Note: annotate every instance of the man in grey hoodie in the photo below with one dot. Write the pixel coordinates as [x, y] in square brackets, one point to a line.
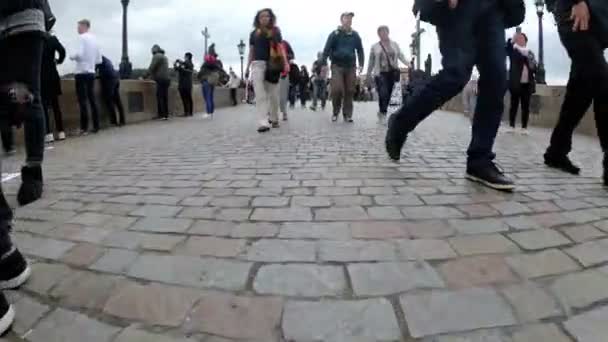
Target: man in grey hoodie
[159, 72]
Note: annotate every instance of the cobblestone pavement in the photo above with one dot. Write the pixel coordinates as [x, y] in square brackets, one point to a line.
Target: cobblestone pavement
[199, 230]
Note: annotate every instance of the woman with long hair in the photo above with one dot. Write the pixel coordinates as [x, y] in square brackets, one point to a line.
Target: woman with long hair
[267, 61]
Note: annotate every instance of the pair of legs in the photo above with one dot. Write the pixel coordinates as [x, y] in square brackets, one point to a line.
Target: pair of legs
[53, 103]
[233, 96]
[186, 95]
[343, 90]
[292, 95]
[283, 95]
[85, 91]
[523, 95]
[385, 83]
[208, 95]
[588, 83]
[471, 34]
[162, 98]
[319, 93]
[303, 94]
[111, 96]
[267, 95]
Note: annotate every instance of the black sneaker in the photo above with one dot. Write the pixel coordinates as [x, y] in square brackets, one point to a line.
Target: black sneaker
[32, 185]
[7, 314]
[263, 129]
[490, 176]
[14, 270]
[334, 118]
[349, 120]
[393, 145]
[562, 163]
[313, 108]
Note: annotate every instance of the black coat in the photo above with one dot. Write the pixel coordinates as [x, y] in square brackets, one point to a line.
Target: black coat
[49, 76]
[517, 66]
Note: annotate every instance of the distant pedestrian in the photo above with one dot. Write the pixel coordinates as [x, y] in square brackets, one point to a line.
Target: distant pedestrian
[469, 97]
[303, 85]
[384, 69]
[294, 83]
[522, 79]
[185, 69]
[209, 75]
[320, 72]
[267, 60]
[344, 47]
[110, 90]
[234, 83]
[87, 57]
[284, 82]
[52, 55]
[159, 72]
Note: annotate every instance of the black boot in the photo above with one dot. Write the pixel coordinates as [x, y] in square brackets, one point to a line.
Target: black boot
[31, 185]
[606, 169]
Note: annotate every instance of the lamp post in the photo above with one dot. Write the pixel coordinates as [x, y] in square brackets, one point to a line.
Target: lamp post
[241, 48]
[540, 73]
[206, 36]
[125, 68]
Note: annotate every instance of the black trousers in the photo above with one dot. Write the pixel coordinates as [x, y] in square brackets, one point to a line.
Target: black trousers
[588, 83]
[233, 96]
[521, 95]
[162, 97]
[112, 100]
[385, 83]
[186, 94]
[85, 91]
[53, 103]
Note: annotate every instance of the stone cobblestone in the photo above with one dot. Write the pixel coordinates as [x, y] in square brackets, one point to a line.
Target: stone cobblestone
[308, 234]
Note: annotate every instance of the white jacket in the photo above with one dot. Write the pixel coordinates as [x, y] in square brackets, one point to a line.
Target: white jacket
[377, 57]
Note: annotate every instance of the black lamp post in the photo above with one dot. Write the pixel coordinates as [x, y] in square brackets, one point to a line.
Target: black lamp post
[125, 68]
[540, 73]
[241, 48]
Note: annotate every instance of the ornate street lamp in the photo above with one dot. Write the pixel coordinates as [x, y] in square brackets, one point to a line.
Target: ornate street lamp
[241, 48]
[540, 74]
[125, 65]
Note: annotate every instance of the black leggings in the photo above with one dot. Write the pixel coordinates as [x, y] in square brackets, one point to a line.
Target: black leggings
[52, 102]
[186, 95]
[522, 95]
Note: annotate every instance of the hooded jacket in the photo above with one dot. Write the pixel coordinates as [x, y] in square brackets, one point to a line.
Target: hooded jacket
[159, 67]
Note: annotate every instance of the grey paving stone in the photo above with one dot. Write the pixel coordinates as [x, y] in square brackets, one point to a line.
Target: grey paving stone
[42, 247]
[336, 191]
[161, 242]
[483, 244]
[429, 229]
[377, 190]
[90, 219]
[492, 335]
[255, 230]
[547, 263]
[214, 228]
[352, 251]
[45, 276]
[590, 253]
[311, 201]
[204, 213]
[199, 201]
[281, 251]
[511, 208]
[162, 225]
[522, 223]
[132, 334]
[190, 271]
[67, 326]
[282, 215]
[349, 201]
[213, 246]
[317, 231]
[341, 214]
[540, 332]
[440, 312]
[430, 213]
[124, 239]
[300, 280]
[425, 249]
[591, 326]
[115, 261]
[27, 313]
[384, 213]
[270, 202]
[85, 290]
[579, 290]
[480, 226]
[539, 239]
[531, 303]
[231, 202]
[156, 211]
[366, 320]
[583, 233]
[383, 279]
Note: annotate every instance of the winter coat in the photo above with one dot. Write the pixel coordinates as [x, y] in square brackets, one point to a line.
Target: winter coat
[52, 55]
[210, 72]
[518, 61]
[343, 48]
[159, 67]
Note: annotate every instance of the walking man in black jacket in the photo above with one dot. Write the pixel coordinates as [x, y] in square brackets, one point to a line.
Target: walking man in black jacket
[588, 81]
[470, 33]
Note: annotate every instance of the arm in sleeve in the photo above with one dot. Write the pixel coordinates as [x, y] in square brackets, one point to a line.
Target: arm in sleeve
[152, 68]
[360, 52]
[80, 52]
[400, 55]
[60, 50]
[371, 62]
[329, 46]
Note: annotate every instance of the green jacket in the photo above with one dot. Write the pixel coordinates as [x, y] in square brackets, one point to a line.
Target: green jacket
[159, 67]
[343, 48]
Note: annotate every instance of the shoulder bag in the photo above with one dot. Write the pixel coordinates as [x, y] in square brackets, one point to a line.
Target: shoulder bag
[395, 72]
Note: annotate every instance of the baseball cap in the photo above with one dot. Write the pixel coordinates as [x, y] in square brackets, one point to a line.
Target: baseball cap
[345, 14]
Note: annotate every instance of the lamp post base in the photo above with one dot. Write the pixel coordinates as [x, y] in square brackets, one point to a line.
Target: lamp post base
[540, 75]
[125, 69]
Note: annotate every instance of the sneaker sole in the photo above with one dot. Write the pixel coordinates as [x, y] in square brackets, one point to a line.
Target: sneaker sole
[500, 187]
[17, 281]
[7, 320]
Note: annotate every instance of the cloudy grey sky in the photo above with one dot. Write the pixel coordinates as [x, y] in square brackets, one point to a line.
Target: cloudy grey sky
[176, 25]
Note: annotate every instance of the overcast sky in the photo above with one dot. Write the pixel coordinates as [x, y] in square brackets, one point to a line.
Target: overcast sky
[176, 26]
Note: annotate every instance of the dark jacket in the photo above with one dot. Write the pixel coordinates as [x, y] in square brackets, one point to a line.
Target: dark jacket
[159, 66]
[343, 48]
[185, 71]
[107, 74]
[294, 74]
[304, 77]
[210, 72]
[52, 55]
[517, 66]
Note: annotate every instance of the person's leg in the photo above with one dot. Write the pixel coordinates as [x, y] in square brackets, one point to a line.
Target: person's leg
[159, 104]
[166, 85]
[337, 88]
[284, 95]
[350, 79]
[391, 88]
[107, 93]
[8, 141]
[47, 119]
[118, 103]
[315, 94]
[525, 105]
[292, 96]
[323, 93]
[81, 94]
[380, 89]
[258, 70]
[58, 115]
[190, 101]
[182, 96]
[90, 86]
[515, 96]
[212, 98]
[205, 86]
[273, 102]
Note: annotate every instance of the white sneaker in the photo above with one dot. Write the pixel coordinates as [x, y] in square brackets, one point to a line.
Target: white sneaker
[524, 131]
[206, 116]
[61, 136]
[49, 138]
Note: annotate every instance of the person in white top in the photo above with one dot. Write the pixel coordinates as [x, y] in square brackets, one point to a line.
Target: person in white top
[87, 57]
[234, 83]
[384, 68]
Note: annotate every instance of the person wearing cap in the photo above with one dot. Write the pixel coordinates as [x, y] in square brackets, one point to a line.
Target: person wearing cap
[86, 58]
[343, 48]
[470, 33]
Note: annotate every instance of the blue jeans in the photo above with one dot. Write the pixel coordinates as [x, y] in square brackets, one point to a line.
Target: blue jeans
[472, 34]
[208, 91]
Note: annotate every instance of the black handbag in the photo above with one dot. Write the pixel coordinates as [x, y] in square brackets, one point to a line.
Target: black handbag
[515, 12]
[395, 72]
[599, 20]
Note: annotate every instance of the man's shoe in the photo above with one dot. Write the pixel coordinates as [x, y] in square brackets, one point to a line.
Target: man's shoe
[14, 270]
[32, 185]
[263, 129]
[7, 314]
[61, 136]
[334, 118]
[562, 163]
[490, 176]
[349, 120]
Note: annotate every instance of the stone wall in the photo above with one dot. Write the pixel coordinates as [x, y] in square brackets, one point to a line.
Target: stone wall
[545, 107]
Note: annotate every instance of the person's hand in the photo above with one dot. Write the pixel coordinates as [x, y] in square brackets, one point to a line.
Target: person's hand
[286, 69]
[453, 3]
[581, 16]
